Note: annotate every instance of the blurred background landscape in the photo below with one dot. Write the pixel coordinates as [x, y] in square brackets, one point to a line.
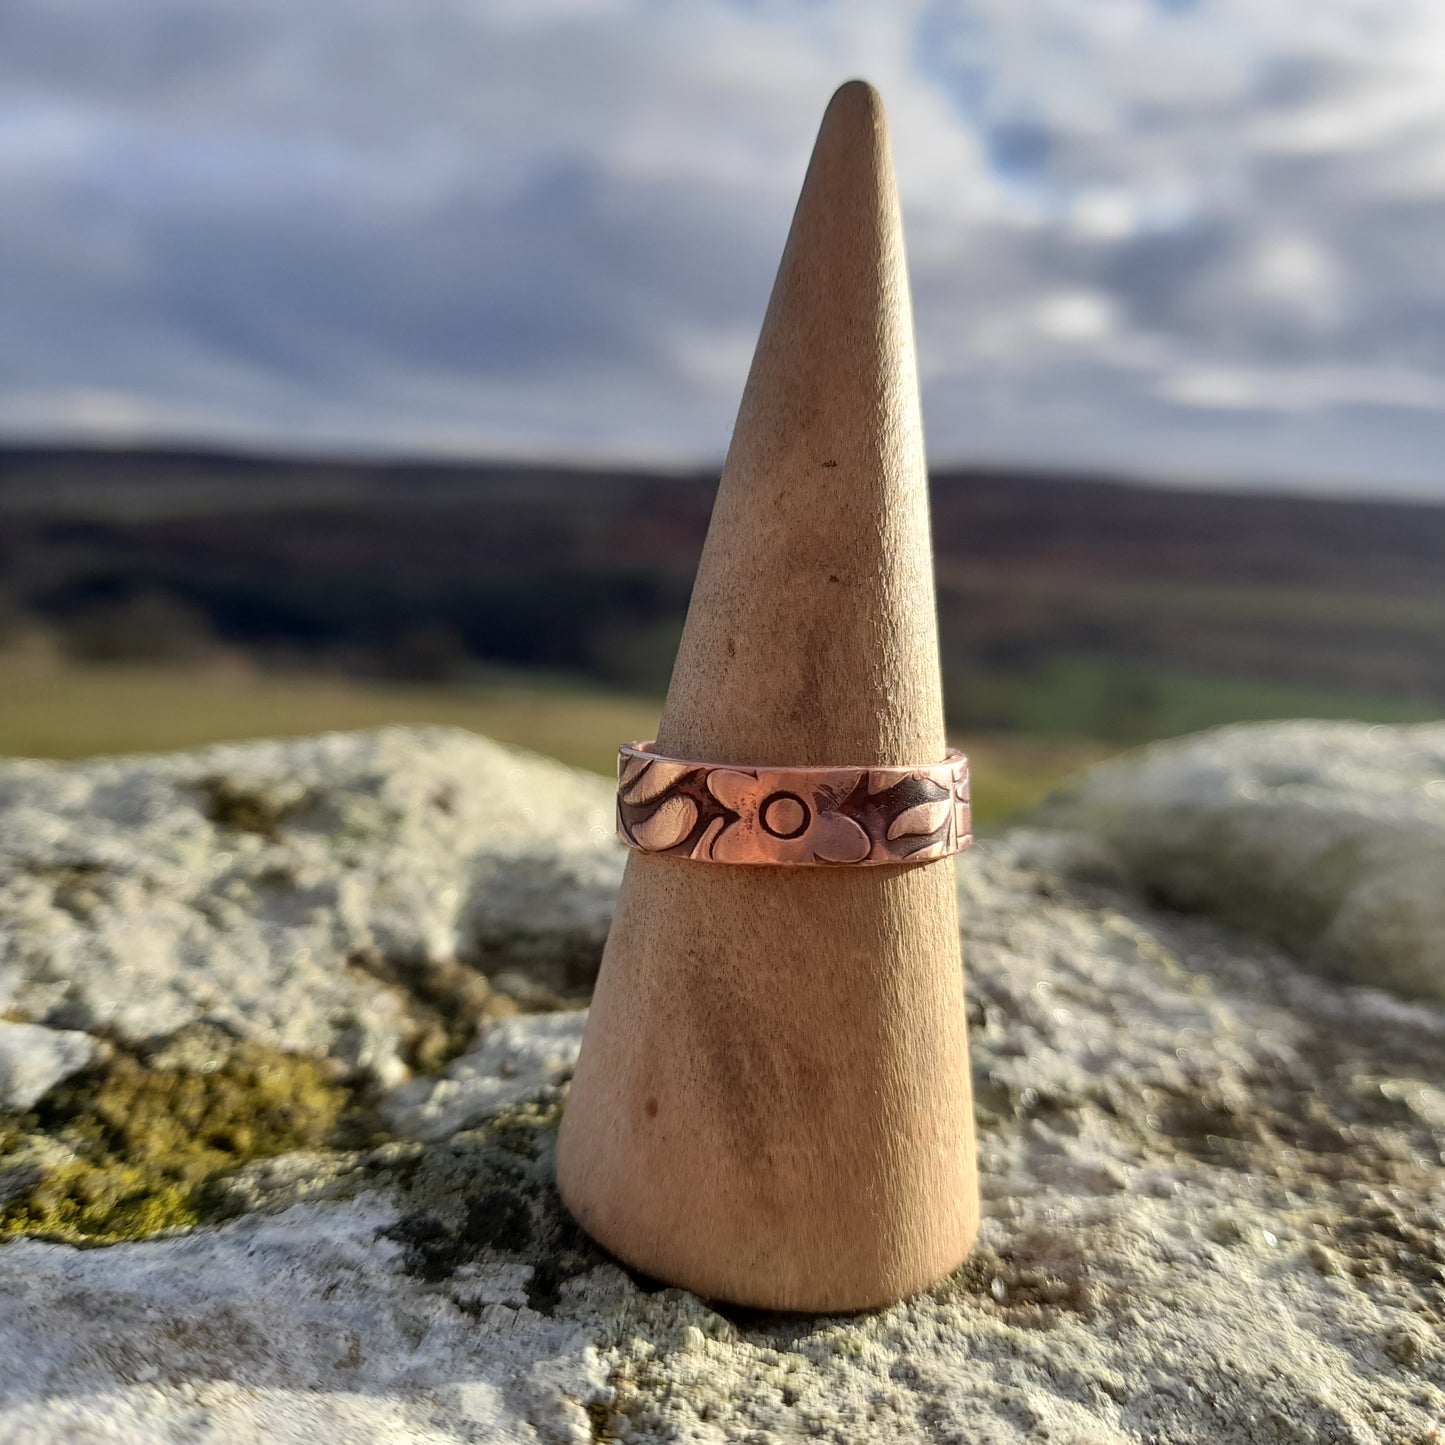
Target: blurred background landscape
[162, 599]
[375, 364]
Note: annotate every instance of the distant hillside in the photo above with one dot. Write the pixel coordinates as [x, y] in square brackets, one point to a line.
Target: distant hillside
[1066, 604]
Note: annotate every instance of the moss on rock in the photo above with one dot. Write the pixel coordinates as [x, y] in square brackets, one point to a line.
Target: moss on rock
[491, 1193]
[149, 1135]
[93, 1203]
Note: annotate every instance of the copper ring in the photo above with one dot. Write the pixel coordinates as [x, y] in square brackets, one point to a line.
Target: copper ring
[835, 816]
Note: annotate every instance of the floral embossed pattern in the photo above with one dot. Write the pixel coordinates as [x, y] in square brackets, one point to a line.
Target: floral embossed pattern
[790, 816]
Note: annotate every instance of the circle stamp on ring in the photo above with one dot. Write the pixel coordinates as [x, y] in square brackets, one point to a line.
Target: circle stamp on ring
[792, 816]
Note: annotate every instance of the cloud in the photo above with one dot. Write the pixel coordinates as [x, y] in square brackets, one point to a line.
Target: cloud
[1185, 239]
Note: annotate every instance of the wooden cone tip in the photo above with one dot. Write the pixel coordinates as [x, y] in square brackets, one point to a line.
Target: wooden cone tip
[858, 101]
[854, 129]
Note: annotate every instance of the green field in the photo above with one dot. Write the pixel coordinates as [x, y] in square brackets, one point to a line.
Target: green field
[1125, 703]
[74, 711]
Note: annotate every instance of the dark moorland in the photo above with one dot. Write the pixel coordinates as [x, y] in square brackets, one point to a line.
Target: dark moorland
[1072, 605]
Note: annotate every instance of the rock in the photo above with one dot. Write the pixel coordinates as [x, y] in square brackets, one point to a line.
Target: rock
[303, 893]
[1326, 837]
[1212, 1187]
[520, 1058]
[296, 1326]
[34, 1059]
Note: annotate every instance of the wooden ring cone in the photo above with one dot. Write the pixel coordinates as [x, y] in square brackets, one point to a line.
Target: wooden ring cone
[772, 1104]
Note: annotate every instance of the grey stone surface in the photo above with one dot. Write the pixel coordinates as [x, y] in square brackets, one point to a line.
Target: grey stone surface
[1213, 1187]
[290, 891]
[517, 1059]
[1327, 837]
[34, 1059]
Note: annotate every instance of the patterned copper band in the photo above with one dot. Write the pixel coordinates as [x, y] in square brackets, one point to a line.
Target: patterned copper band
[791, 816]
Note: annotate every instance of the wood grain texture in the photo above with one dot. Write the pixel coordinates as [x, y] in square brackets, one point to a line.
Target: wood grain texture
[772, 1105]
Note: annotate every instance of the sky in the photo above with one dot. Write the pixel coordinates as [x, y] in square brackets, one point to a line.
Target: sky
[1190, 240]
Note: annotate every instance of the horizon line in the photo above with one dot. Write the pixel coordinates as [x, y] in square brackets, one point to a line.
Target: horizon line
[441, 455]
